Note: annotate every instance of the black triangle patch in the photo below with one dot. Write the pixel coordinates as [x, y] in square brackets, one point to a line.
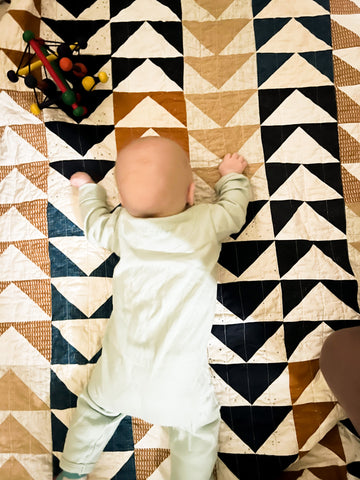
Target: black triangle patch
[116, 6]
[337, 251]
[120, 32]
[268, 63]
[329, 174]
[294, 291]
[266, 28]
[174, 5]
[123, 67]
[97, 169]
[295, 332]
[71, 31]
[332, 210]
[269, 100]
[63, 352]
[282, 211]
[254, 425]
[278, 173]
[122, 440]
[256, 467]
[59, 431]
[61, 265]
[80, 137]
[242, 298]
[173, 68]
[344, 290]
[76, 8]
[323, 96]
[171, 31]
[61, 397]
[238, 256]
[250, 380]
[289, 253]
[105, 310]
[340, 324]
[319, 26]
[62, 309]
[106, 269]
[322, 61]
[258, 5]
[245, 339]
[252, 210]
[59, 225]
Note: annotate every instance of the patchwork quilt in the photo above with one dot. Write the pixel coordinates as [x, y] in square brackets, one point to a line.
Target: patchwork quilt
[277, 80]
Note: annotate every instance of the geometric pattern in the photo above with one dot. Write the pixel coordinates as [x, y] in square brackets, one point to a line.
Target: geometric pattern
[276, 80]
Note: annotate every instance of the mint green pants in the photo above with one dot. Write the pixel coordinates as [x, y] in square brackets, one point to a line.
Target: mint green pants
[192, 454]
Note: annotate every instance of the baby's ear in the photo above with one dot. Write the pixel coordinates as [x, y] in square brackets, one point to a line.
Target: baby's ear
[191, 194]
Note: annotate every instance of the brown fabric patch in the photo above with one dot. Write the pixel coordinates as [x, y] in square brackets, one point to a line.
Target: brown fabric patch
[343, 7]
[35, 135]
[173, 102]
[14, 438]
[215, 8]
[351, 187]
[348, 110]
[13, 470]
[36, 250]
[309, 417]
[301, 374]
[140, 428]
[36, 333]
[221, 106]
[25, 100]
[332, 441]
[34, 212]
[349, 147]
[16, 395]
[222, 140]
[148, 460]
[344, 73]
[26, 20]
[223, 30]
[342, 37]
[126, 135]
[218, 68]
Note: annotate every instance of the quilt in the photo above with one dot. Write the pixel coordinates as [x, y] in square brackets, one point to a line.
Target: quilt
[276, 80]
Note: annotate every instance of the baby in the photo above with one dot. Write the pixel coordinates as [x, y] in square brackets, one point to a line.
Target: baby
[154, 358]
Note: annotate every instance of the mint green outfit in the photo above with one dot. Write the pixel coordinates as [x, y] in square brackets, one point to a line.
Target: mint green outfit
[154, 359]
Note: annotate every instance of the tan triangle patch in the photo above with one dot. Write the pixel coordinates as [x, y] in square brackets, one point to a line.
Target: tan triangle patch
[215, 36]
[16, 395]
[342, 37]
[218, 68]
[344, 73]
[26, 20]
[14, 438]
[348, 110]
[13, 470]
[38, 334]
[349, 147]
[309, 417]
[351, 187]
[343, 7]
[147, 460]
[210, 175]
[222, 140]
[221, 106]
[215, 8]
[333, 472]
[301, 374]
[140, 428]
[332, 441]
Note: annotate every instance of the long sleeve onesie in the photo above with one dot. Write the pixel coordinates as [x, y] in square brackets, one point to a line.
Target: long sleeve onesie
[154, 358]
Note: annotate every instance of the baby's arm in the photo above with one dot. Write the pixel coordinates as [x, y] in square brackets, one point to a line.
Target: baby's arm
[233, 189]
[99, 223]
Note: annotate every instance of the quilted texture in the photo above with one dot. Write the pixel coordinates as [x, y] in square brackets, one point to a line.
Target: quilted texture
[276, 80]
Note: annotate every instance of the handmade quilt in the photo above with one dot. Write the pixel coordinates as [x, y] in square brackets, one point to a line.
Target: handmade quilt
[277, 80]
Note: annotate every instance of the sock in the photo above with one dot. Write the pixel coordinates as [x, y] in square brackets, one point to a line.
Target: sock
[70, 476]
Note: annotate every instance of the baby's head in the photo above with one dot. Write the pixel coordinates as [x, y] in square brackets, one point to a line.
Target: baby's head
[154, 178]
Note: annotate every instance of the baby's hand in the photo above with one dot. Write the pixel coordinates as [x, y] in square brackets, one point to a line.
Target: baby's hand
[80, 178]
[232, 163]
